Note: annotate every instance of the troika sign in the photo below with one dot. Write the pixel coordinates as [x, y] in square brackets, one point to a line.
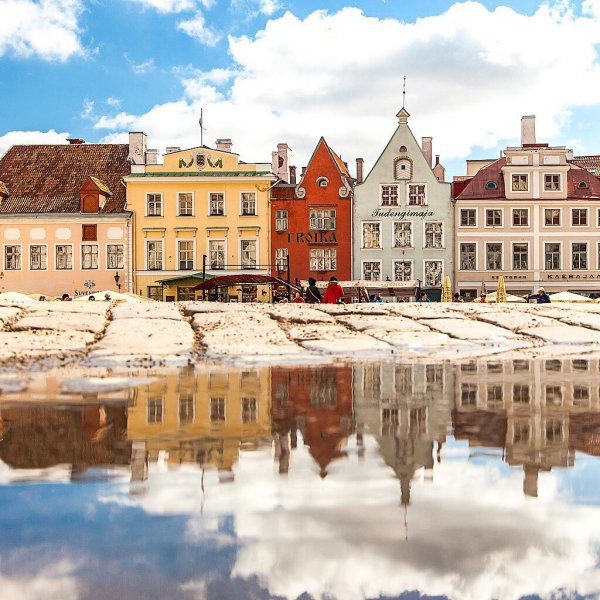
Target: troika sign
[316, 237]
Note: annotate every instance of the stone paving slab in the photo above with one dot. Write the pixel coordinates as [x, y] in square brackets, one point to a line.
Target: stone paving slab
[516, 321]
[472, 330]
[367, 323]
[61, 321]
[146, 310]
[561, 334]
[17, 347]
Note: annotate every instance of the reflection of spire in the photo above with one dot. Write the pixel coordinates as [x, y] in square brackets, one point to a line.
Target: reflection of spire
[530, 481]
[439, 452]
[406, 522]
[405, 489]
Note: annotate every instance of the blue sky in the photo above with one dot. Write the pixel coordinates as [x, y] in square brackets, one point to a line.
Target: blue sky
[98, 68]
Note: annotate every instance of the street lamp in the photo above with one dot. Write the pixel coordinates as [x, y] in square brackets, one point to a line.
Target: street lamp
[117, 281]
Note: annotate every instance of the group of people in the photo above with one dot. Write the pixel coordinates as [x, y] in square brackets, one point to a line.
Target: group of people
[334, 294]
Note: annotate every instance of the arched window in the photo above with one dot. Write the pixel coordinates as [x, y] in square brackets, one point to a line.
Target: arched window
[491, 185]
[583, 185]
[402, 168]
[322, 182]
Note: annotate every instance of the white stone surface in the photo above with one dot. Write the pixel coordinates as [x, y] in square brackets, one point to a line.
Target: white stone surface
[471, 330]
[146, 310]
[114, 233]
[37, 233]
[63, 233]
[12, 233]
[61, 321]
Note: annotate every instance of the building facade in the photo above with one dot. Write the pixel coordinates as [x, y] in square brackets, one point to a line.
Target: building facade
[200, 202]
[64, 226]
[311, 221]
[402, 218]
[532, 216]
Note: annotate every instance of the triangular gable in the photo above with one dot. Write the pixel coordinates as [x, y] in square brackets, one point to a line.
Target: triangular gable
[335, 159]
[93, 184]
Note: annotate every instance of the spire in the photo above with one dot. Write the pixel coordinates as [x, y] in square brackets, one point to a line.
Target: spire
[403, 115]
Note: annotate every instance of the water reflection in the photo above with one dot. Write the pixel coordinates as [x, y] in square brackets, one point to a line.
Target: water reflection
[344, 481]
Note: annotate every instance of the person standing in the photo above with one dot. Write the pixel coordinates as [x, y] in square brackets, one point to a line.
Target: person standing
[334, 293]
[541, 297]
[313, 295]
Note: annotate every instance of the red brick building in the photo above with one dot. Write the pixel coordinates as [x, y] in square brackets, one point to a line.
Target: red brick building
[311, 221]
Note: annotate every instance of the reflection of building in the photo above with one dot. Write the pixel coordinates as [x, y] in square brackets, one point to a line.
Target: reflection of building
[539, 411]
[318, 402]
[407, 408]
[200, 417]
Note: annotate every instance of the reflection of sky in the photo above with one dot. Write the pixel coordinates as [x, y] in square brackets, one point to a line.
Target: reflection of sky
[471, 532]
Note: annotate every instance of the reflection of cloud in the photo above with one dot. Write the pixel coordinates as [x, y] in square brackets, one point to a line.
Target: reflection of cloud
[54, 474]
[56, 581]
[471, 533]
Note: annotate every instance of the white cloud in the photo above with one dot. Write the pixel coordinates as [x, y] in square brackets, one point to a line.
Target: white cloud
[252, 7]
[119, 121]
[268, 7]
[47, 29]
[197, 28]
[114, 102]
[88, 109]
[471, 73]
[167, 6]
[144, 67]
[31, 137]
[52, 581]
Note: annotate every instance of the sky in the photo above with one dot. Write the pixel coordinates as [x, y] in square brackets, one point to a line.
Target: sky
[270, 71]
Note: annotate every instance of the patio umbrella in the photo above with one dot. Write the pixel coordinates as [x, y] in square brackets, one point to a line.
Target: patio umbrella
[509, 298]
[569, 297]
[501, 291]
[447, 290]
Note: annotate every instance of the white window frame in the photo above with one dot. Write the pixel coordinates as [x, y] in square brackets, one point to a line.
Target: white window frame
[162, 260]
[512, 255]
[403, 260]
[327, 262]
[209, 265]
[560, 216]
[316, 219]
[284, 256]
[525, 208]
[193, 213]
[443, 246]
[560, 182]
[20, 258]
[56, 258]
[81, 255]
[527, 175]
[255, 214]
[29, 258]
[193, 394]
[412, 235]
[561, 256]
[209, 213]
[362, 235]
[256, 402]
[426, 192]
[460, 242]
[177, 242]
[587, 246]
[428, 260]
[282, 220]
[460, 217]
[249, 239]
[162, 204]
[224, 420]
[485, 213]
[502, 256]
[572, 212]
[107, 262]
[381, 186]
[362, 268]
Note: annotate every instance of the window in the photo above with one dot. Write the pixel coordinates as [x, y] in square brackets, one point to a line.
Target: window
[468, 257]
[281, 259]
[155, 409]
[64, 258]
[281, 220]
[495, 397]
[322, 219]
[402, 234]
[495, 367]
[371, 235]
[468, 217]
[491, 185]
[402, 169]
[38, 258]
[552, 256]
[389, 195]
[154, 205]
[433, 235]
[493, 254]
[583, 185]
[322, 182]
[89, 233]
[114, 256]
[520, 217]
[520, 257]
[433, 273]
[493, 217]
[521, 393]
[554, 430]
[580, 364]
[217, 410]
[553, 395]
[520, 366]
[579, 255]
[581, 395]
[155, 292]
[552, 217]
[216, 254]
[579, 216]
[323, 259]
[12, 258]
[468, 394]
[185, 251]
[520, 183]
[551, 183]
[216, 205]
[403, 270]
[154, 252]
[249, 410]
[186, 407]
[248, 251]
[416, 195]
[185, 204]
[248, 203]
[185, 294]
[389, 421]
[521, 432]
[372, 271]
[89, 256]
[553, 366]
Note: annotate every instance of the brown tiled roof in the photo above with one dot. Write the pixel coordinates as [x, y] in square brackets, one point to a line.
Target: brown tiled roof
[47, 178]
[588, 162]
[283, 191]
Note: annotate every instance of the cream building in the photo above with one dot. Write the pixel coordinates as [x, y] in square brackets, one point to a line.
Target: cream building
[532, 216]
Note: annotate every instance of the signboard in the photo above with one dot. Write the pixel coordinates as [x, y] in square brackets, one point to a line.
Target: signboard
[313, 237]
[402, 214]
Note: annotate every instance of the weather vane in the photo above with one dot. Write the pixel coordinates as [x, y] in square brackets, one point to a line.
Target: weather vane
[404, 92]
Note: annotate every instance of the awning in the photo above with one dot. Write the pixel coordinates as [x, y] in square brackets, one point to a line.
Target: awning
[191, 276]
[243, 279]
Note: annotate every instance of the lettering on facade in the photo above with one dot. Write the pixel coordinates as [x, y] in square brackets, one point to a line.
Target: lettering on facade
[202, 160]
[316, 237]
[423, 214]
[511, 276]
[574, 276]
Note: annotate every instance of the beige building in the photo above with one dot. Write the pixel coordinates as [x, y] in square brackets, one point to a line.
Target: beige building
[532, 216]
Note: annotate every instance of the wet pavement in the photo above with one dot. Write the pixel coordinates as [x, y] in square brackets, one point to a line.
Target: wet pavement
[473, 480]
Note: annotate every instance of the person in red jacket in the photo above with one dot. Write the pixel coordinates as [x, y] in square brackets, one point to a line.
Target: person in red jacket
[334, 292]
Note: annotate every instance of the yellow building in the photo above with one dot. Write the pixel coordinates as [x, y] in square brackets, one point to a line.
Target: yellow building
[201, 202]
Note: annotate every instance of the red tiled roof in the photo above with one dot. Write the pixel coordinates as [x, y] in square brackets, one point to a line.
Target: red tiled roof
[283, 191]
[3, 188]
[588, 162]
[47, 178]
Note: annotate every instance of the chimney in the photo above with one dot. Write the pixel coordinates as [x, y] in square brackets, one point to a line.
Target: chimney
[303, 171]
[427, 147]
[137, 147]
[151, 157]
[224, 144]
[293, 175]
[75, 141]
[438, 170]
[360, 163]
[527, 130]
[345, 164]
[171, 149]
[280, 160]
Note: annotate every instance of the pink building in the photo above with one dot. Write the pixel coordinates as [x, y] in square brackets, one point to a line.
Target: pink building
[64, 226]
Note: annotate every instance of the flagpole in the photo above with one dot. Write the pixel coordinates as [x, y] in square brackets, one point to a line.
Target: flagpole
[201, 130]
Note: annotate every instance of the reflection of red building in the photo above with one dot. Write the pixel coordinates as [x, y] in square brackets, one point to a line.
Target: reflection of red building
[311, 221]
[318, 402]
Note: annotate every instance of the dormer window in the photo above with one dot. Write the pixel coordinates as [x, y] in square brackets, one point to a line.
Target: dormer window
[491, 185]
[583, 185]
[322, 182]
[90, 203]
[93, 195]
[403, 169]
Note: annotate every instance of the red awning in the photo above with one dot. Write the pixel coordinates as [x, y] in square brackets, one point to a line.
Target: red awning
[229, 280]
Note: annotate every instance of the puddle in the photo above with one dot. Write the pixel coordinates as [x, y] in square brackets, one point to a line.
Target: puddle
[469, 481]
